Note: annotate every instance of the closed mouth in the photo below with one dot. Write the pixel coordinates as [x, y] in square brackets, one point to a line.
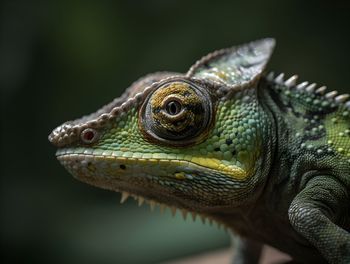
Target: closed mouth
[187, 166]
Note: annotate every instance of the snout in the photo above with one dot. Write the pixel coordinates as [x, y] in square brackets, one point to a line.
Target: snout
[64, 135]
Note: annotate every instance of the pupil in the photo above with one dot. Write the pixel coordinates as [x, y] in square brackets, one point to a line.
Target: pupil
[173, 108]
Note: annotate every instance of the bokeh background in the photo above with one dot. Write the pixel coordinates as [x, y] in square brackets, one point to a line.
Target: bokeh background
[62, 59]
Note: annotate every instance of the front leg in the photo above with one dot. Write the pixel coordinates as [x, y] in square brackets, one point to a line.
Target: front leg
[245, 251]
[316, 213]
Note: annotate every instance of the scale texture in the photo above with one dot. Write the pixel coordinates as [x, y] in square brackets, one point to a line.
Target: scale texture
[265, 156]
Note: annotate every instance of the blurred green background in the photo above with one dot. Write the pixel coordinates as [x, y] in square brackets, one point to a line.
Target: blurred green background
[60, 60]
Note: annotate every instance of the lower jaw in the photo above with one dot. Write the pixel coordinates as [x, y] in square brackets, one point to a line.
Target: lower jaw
[154, 204]
[82, 166]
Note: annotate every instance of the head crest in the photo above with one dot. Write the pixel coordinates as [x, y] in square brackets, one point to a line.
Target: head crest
[235, 67]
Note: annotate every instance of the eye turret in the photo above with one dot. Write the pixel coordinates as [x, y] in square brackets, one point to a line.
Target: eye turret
[176, 113]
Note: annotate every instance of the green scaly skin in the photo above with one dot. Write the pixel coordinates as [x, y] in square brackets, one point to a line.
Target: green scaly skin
[266, 157]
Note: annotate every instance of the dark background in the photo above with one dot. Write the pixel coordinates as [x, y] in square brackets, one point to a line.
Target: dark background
[60, 60]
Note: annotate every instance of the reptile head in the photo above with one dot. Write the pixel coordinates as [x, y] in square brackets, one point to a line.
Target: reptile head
[192, 141]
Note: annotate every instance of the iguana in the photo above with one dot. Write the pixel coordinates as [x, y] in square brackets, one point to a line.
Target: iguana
[267, 157]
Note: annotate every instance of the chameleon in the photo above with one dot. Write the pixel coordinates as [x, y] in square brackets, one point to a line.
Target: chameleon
[266, 156]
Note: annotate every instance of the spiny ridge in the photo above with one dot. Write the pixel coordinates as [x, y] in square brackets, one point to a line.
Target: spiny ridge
[291, 81]
[153, 204]
[310, 88]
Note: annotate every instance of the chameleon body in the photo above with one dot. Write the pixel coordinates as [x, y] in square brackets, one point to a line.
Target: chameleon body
[266, 157]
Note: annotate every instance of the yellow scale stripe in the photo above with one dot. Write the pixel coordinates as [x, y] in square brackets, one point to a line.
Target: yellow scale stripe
[210, 163]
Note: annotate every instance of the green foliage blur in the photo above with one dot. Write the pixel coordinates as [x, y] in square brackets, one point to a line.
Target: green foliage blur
[62, 59]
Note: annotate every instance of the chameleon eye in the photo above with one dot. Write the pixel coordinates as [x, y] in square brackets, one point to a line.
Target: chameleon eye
[176, 113]
[89, 136]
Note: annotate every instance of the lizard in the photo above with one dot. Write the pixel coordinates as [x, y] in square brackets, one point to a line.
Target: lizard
[264, 155]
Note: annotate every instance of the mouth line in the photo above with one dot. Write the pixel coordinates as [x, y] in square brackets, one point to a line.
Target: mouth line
[189, 166]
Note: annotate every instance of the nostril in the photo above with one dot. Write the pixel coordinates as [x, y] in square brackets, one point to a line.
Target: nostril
[89, 135]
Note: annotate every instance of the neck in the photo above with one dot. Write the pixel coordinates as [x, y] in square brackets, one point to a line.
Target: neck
[250, 199]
